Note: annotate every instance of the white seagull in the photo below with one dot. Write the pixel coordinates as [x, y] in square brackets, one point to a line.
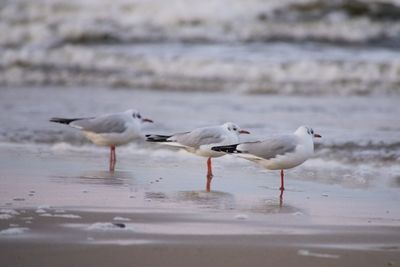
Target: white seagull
[109, 130]
[201, 140]
[278, 152]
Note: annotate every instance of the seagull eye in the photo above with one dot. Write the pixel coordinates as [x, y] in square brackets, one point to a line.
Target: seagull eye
[139, 116]
[312, 132]
[234, 128]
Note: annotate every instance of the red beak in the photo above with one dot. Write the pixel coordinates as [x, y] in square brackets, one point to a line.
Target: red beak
[244, 132]
[147, 120]
[317, 136]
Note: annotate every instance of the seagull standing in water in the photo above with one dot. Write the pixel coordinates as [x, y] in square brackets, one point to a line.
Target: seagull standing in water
[109, 130]
[278, 152]
[201, 140]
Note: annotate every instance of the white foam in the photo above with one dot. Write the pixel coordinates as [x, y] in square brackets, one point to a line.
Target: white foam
[5, 216]
[9, 211]
[103, 226]
[69, 216]
[45, 207]
[14, 231]
[307, 253]
[121, 219]
[241, 217]
[40, 211]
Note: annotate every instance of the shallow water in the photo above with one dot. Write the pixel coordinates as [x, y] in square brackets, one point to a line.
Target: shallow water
[359, 148]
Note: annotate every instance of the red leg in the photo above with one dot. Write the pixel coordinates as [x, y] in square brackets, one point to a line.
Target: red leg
[282, 182]
[209, 167]
[281, 198]
[208, 185]
[112, 158]
[209, 175]
[115, 157]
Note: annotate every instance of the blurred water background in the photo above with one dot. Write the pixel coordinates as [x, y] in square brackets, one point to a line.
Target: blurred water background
[269, 65]
[338, 47]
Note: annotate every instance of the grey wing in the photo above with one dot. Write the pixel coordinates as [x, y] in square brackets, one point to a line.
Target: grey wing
[199, 137]
[113, 123]
[270, 148]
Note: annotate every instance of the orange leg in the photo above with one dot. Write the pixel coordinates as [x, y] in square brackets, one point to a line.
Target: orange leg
[282, 182]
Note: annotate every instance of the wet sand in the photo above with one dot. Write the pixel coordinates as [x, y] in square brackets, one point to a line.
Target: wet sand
[59, 206]
[54, 244]
[64, 209]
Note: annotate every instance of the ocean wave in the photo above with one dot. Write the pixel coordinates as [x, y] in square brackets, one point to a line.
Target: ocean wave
[76, 65]
[49, 23]
[352, 152]
[334, 47]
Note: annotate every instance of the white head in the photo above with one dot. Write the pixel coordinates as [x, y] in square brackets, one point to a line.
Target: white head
[137, 117]
[234, 128]
[304, 131]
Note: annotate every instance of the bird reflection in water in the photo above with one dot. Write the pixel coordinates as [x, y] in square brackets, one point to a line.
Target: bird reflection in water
[107, 178]
[214, 199]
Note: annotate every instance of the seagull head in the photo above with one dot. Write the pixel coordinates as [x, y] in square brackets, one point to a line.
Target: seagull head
[234, 128]
[307, 131]
[136, 116]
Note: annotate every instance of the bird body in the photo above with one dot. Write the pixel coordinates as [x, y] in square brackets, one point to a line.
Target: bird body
[277, 152]
[109, 130]
[200, 141]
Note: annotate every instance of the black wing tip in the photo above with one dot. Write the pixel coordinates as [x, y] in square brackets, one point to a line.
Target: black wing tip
[157, 138]
[226, 149]
[62, 120]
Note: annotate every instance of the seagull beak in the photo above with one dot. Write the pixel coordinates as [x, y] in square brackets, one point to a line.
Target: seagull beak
[147, 120]
[244, 132]
[317, 136]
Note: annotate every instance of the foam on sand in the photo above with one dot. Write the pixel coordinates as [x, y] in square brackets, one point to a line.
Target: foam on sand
[307, 253]
[68, 216]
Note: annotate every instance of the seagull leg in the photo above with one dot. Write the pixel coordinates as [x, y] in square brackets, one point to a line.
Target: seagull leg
[281, 198]
[112, 158]
[209, 175]
[209, 167]
[282, 182]
[208, 186]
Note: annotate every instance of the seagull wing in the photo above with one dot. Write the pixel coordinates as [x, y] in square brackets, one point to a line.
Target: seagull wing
[199, 137]
[270, 148]
[113, 123]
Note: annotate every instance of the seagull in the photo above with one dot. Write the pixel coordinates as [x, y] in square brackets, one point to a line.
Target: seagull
[278, 152]
[109, 130]
[201, 140]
